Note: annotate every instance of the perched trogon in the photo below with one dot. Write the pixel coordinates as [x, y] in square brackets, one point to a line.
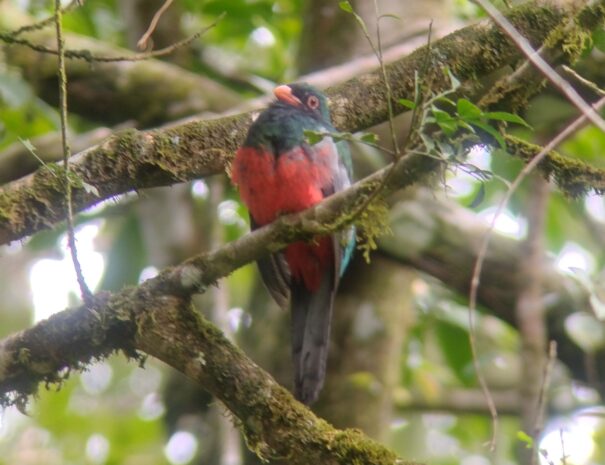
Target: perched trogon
[278, 171]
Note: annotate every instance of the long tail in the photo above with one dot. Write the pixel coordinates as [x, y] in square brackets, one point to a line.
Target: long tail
[311, 314]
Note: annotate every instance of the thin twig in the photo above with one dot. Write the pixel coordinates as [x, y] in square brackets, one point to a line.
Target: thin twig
[87, 55]
[524, 75]
[491, 405]
[45, 22]
[541, 410]
[71, 237]
[142, 43]
[591, 85]
[396, 151]
[525, 47]
[487, 237]
[387, 84]
[563, 453]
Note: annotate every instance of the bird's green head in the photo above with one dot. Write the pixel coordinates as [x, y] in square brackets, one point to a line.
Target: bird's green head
[304, 97]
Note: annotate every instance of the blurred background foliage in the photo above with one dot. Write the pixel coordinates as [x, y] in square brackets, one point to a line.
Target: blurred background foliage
[401, 366]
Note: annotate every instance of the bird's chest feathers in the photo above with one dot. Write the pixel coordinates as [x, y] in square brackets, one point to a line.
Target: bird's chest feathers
[292, 181]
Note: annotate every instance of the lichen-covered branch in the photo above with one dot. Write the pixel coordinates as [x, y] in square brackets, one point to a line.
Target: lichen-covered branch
[572, 176]
[16, 160]
[135, 159]
[167, 327]
[201, 271]
[157, 318]
[129, 160]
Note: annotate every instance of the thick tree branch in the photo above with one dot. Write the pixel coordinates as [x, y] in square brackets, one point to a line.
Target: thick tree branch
[149, 318]
[571, 175]
[157, 318]
[16, 160]
[167, 327]
[197, 273]
[134, 159]
[42, 352]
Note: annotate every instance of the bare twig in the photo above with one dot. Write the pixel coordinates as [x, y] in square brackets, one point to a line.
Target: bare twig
[90, 57]
[541, 410]
[486, 238]
[387, 83]
[142, 43]
[460, 401]
[591, 85]
[523, 45]
[491, 405]
[395, 152]
[71, 238]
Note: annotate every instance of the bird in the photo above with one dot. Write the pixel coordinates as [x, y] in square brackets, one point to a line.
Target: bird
[278, 171]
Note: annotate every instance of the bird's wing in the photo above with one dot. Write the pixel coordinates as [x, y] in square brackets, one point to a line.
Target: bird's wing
[275, 274]
[337, 158]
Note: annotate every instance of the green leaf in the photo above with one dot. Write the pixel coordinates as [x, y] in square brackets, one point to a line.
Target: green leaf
[448, 127]
[506, 116]
[407, 103]
[346, 6]
[526, 438]
[598, 38]
[458, 356]
[441, 116]
[492, 132]
[369, 137]
[453, 79]
[446, 122]
[446, 100]
[313, 137]
[467, 110]
[466, 126]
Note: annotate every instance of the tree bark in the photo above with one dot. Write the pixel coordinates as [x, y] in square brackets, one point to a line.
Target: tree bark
[133, 159]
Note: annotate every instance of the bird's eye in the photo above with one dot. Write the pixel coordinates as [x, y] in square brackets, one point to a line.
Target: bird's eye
[313, 102]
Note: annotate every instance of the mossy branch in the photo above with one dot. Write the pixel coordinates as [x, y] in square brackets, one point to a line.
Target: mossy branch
[157, 318]
[136, 159]
[574, 177]
[191, 277]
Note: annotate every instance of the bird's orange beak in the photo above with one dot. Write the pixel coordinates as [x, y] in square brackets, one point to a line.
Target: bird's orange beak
[284, 94]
